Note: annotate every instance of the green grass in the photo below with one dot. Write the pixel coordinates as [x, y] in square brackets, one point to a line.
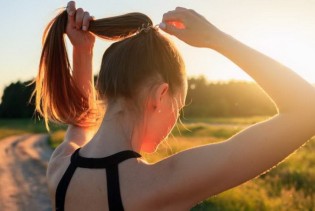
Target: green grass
[227, 120]
[56, 138]
[288, 187]
[10, 127]
[205, 130]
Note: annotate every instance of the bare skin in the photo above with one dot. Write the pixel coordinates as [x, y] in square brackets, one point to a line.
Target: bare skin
[182, 180]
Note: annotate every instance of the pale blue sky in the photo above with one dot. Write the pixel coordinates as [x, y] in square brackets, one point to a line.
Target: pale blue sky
[283, 29]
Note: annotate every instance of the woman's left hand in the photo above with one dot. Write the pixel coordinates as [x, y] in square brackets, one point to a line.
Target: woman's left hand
[77, 27]
[192, 28]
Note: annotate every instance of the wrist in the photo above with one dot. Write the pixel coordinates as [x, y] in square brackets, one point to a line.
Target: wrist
[83, 50]
[217, 40]
[82, 61]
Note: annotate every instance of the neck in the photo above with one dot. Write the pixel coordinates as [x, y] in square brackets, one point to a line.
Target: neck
[116, 133]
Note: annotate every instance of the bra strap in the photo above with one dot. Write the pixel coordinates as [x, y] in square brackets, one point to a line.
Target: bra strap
[112, 177]
[63, 186]
[113, 189]
[111, 167]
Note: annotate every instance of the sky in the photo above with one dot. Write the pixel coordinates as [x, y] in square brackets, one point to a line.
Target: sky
[282, 29]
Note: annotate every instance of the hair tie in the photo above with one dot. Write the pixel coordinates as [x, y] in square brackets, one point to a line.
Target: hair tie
[147, 27]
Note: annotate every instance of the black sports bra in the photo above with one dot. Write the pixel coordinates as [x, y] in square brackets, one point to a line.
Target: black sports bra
[110, 164]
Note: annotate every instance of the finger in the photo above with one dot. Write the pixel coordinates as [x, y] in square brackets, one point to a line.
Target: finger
[170, 29]
[180, 8]
[79, 18]
[86, 21]
[71, 11]
[174, 16]
[194, 12]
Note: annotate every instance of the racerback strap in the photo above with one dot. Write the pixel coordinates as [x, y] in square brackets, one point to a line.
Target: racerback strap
[110, 164]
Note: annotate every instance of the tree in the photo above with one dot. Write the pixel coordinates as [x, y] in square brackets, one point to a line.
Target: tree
[15, 101]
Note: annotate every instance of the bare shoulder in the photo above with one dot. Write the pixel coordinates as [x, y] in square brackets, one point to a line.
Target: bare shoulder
[56, 167]
[60, 158]
[190, 176]
[75, 137]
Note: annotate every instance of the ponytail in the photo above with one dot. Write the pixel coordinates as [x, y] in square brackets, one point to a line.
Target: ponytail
[58, 98]
[119, 27]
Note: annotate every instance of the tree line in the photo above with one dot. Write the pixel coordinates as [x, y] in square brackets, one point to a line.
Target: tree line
[204, 99]
[226, 99]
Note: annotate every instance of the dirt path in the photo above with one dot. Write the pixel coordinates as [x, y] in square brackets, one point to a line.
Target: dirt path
[23, 162]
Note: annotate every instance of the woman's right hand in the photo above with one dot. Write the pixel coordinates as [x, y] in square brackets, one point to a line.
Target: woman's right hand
[197, 30]
[77, 27]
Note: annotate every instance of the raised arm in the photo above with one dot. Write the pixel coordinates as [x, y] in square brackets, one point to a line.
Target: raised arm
[83, 43]
[200, 172]
[82, 75]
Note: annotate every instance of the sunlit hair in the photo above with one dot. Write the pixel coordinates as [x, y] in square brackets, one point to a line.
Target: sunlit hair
[139, 57]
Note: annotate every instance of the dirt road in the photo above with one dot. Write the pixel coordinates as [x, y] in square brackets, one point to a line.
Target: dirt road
[23, 162]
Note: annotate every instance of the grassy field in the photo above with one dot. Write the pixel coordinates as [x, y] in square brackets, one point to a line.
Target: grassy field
[19, 126]
[289, 186]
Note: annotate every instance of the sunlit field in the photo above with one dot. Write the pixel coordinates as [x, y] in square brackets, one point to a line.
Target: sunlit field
[19, 126]
[289, 186]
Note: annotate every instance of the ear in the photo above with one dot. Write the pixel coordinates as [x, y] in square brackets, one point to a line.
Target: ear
[159, 95]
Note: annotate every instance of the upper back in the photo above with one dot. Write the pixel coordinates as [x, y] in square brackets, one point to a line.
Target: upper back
[87, 189]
